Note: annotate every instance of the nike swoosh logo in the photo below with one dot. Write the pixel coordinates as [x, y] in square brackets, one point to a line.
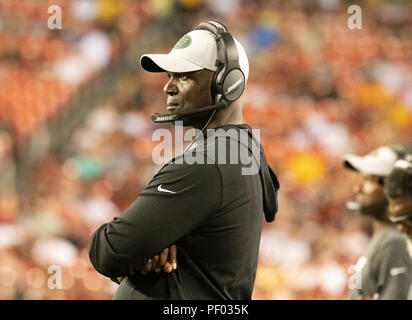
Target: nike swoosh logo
[396, 271]
[159, 188]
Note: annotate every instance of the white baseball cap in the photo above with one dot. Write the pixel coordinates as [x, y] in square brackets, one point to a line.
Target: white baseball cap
[379, 162]
[194, 51]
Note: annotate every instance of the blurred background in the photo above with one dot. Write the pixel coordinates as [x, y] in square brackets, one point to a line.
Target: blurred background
[75, 128]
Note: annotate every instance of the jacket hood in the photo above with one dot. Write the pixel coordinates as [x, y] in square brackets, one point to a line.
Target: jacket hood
[268, 178]
[270, 185]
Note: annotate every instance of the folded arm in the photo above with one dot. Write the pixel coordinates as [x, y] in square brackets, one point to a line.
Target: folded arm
[178, 200]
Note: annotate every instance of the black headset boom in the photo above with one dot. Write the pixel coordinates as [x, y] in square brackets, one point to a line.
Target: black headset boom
[229, 80]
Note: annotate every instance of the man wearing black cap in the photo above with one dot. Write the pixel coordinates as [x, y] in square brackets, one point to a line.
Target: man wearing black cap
[211, 210]
[383, 272]
[398, 189]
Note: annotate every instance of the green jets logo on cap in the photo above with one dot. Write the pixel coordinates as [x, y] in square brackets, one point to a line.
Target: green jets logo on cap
[184, 42]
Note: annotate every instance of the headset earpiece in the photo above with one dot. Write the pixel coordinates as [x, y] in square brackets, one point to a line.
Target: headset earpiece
[229, 80]
[233, 85]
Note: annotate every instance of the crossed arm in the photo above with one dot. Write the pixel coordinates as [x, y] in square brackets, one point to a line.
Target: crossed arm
[165, 261]
[155, 221]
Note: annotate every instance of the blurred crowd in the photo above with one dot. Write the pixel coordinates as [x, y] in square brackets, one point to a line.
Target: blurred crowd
[47, 54]
[316, 90]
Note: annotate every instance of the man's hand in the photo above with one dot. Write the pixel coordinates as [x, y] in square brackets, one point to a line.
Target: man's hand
[165, 260]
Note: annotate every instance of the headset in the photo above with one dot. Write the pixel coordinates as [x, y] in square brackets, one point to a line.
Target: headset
[228, 81]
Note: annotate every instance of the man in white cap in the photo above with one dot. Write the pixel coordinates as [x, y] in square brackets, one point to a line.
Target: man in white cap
[211, 212]
[398, 189]
[383, 271]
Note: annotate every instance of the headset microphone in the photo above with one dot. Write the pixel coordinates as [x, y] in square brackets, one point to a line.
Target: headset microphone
[160, 118]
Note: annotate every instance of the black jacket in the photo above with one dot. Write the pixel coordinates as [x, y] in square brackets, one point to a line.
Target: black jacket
[212, 212]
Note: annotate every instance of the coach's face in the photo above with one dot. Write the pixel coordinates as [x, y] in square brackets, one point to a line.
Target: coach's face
[188, 91]
[369, 191]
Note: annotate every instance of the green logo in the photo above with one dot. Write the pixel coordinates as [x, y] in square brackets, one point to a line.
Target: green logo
[184, 42]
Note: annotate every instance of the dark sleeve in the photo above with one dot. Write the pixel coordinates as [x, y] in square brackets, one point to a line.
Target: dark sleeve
[394, 277]
[157, 218]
